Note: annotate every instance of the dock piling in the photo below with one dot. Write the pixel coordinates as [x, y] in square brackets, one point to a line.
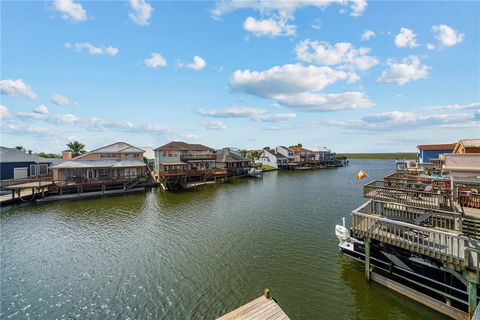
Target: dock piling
[266, 293]
[472, 297]
[367, 258]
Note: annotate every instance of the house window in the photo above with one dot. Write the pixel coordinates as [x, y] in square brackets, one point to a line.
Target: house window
[33, 170]
[132, 155]
[108, 155]
[68, 174]
[103, 173]
[43, 169]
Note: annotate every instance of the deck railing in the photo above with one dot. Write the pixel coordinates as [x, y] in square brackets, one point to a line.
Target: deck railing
[442, 245]
[10, 182]
[85, 182]
[193, 172]
[435, 199]
[191, 157]
[444, 220]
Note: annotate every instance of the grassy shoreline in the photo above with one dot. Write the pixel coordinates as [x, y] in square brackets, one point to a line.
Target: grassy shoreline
[393, 156]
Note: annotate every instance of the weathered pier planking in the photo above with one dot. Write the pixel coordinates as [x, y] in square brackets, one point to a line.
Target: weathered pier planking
[261, 308]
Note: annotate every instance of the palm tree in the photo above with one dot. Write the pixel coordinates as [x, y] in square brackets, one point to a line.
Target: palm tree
[76, 148]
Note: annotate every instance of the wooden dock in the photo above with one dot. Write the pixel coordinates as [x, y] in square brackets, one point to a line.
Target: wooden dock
[90, 195]
[261, 308]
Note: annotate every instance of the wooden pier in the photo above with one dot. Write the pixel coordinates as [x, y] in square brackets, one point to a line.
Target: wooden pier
[262, 308]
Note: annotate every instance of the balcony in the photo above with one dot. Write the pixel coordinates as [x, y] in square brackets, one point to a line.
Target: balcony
[203, 157]
[424, 196]
[432, 233]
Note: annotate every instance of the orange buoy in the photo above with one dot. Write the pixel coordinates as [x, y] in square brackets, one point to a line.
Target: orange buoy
[361, 175]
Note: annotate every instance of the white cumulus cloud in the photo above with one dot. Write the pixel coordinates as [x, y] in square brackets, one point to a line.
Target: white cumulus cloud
[446, 35]
[41, 109]
[287, 8]
[453, 107]
[255, 114]
[317, 102]
[60, 100]
[141, 12]
[367, 35]
[197, 64]
[406, 38]
[409, 69]
[155, 61]
[214, 125]
[4, 113]
[272, 27]
[401, 120]
[16, 88]
[71, 10]
[93, 50]
[343, 54]
[286, 79]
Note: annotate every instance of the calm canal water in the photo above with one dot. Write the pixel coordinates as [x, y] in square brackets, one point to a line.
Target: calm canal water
[196, 254]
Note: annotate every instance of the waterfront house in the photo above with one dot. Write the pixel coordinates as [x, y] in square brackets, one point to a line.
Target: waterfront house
[322, 153]
[234, 163]
[118, 162]
[17, 164]
[429, 152]
[272, 158]
[467, 146]
[179, 163]
[303, 155]
[177, 155]
[286, 152]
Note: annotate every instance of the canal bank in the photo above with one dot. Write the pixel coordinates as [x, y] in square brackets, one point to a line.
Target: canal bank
[196, 254]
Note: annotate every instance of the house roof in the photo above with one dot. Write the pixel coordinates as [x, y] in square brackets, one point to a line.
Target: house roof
[300, 149]
[227, 155]
[436, 146]
[275, 153]
[84, 164]
[470, 143]
[319, 149]
[286, 148]
[180, 145]
[15, 155]
[114, 148]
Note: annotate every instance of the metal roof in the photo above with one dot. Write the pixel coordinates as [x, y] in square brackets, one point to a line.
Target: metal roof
[227, 155]
[180, 145]
[118, 147]
[79, 164]
[319, 149]
[15, 155]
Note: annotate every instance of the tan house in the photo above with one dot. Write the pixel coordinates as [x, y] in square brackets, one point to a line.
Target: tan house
[117, 162]
[467, 146]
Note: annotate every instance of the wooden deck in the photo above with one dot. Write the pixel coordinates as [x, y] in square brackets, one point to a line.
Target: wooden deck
[31, 184]
[259, 309]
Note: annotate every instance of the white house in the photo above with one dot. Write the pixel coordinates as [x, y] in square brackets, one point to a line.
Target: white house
[286, 152]
[322, 153]
[272, 158]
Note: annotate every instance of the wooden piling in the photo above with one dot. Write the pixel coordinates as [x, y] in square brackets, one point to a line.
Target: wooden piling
[367, 258]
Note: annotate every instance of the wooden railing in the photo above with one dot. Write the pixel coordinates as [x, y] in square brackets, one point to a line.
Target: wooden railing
[445, 220]
[439, 199]
[168, 173]
[469, 199]
[188, 157]
[85, 182]
[446, 246]
[11, 182]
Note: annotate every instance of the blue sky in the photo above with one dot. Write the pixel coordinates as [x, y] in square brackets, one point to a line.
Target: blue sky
[356, 76]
